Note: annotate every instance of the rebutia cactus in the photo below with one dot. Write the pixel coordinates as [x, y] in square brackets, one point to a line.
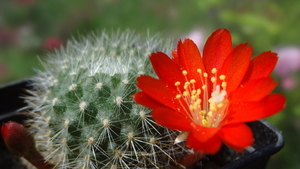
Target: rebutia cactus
[82, 107]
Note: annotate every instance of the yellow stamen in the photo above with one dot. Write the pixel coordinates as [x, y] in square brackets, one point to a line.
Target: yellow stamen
[186, 85]
[205, 122]
[178, 96]
[185, 93]
[213, 79]
[194, 97]
[214, 70]
[220, 105]
[224, 84]
[222, 77]
[202, 112]
[209, 114]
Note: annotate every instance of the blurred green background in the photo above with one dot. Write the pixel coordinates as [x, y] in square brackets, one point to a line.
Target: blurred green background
[30, 28]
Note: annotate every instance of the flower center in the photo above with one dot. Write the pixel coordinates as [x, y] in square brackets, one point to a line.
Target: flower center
[206, 108]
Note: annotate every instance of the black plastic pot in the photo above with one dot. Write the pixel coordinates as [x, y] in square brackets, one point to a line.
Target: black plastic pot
[11, 101]
[268, 139]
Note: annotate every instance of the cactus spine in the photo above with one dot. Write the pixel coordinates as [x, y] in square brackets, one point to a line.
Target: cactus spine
[82, 107]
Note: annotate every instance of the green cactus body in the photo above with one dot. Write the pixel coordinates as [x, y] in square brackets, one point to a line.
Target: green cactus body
[84, 115]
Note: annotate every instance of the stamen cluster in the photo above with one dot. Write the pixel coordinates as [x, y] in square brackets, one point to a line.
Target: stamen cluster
[207, 105]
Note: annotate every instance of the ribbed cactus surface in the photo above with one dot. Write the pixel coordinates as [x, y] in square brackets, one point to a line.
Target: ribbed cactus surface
[82, 107]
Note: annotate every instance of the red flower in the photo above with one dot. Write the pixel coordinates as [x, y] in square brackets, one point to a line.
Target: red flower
[210, 98]
[19, 141]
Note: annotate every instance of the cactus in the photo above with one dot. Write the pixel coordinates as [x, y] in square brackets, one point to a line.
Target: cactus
[82, 107]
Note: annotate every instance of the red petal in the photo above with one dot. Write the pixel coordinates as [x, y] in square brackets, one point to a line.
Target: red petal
[158, 91]
[261, 66]
[166, 69]
[216, 49]
[235, 66]
[203, 134]
[143, 99]
[175, 56]
[212, 146]
[238, 136]
[251, 111]
[171, 119]
[190, 59]
[253, 90]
